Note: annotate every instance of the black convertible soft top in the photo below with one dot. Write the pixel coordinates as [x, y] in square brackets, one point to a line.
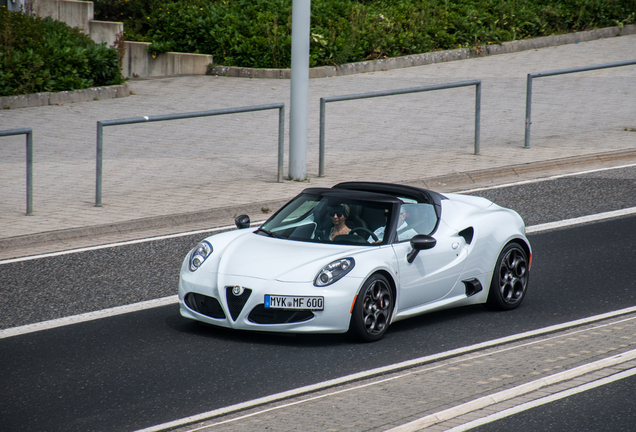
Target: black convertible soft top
[412, 192]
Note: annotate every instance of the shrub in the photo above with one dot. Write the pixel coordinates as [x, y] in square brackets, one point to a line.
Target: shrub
[257, 33]
[41, 54]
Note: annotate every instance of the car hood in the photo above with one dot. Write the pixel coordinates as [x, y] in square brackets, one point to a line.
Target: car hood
[270, 258]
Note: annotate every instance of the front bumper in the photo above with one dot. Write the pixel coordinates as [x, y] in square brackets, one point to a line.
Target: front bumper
[208, 297]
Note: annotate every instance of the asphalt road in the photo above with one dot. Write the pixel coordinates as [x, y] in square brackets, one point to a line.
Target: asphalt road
[145, 368]
[49, 288]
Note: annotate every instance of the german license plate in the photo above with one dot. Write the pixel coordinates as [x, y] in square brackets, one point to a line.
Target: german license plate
[294, 302]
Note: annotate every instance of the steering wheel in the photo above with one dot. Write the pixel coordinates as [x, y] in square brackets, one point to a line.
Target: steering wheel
[365, 230]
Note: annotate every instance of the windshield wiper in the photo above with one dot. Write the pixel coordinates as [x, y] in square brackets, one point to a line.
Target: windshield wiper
[269, 233]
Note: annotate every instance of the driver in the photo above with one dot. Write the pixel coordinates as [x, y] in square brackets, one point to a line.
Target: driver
[339, 215]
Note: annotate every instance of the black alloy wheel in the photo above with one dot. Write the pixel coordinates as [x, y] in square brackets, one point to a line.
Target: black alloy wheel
[372, 310]
[509, 279]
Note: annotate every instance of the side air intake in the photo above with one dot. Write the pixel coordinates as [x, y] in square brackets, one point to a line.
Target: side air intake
[468, 234]
[473, 286]
[208, 306]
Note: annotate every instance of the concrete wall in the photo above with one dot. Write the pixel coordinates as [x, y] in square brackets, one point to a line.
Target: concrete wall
[139, 63]
[18, 5]
[74, 13]
[13, 5]
[78, 14]
[105, 31]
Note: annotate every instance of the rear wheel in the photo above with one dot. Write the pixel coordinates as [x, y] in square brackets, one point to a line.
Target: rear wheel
[509, 279]
[372, 309]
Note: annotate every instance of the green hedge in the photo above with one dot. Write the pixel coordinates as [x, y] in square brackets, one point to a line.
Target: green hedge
[41, 55]
[257, 33]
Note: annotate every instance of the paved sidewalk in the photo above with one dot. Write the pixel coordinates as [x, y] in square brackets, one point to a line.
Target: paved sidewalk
[189, 174]
[439, 394]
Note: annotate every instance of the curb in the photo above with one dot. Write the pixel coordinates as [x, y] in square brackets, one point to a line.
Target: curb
[445, 183]
[428, 58]
[154, 222]
[60, 98]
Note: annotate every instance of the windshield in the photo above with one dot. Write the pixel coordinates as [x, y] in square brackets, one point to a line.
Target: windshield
[324, 219]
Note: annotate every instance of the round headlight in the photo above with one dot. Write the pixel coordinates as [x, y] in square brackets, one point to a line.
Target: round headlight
[334, 271]
[199, 255]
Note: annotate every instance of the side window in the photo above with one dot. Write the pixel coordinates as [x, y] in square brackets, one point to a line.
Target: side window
[416, 219]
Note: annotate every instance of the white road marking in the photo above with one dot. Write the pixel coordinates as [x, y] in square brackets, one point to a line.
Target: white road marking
[544, 400]
[580, 220]
[409, 364]
[123, 243]
[89, 316]
[544, 179]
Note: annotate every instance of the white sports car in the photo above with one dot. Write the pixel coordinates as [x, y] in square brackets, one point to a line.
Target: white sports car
[356, 258]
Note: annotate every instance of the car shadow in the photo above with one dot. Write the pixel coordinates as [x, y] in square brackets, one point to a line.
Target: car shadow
[453, 321]
[203, 330]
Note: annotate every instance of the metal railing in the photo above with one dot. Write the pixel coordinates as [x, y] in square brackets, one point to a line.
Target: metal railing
[531, 76]
[101, 124]
[29, 163]
[324, 100]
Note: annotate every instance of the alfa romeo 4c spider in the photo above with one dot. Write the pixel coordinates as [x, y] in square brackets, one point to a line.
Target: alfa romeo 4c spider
[355, 258]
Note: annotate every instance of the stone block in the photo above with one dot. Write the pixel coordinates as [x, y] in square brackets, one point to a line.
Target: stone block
[139, 63]
[64, 97]
[76, 13]
[24, 101]
[135, 62]
[628, 30]
[112, 92]
[59, 98]
[105, 31]
[193, 64]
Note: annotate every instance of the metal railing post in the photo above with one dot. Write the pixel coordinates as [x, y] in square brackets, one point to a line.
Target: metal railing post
[29, 172]
[29, 163]
[477, 116]
[281, 142]
[321, 143]
[98, 164]
[526, 143]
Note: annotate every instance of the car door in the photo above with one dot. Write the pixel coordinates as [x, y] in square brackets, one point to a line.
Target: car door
[434, 272]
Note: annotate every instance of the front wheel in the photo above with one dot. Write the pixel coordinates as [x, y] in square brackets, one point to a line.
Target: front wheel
[509, 279]
[372, 309]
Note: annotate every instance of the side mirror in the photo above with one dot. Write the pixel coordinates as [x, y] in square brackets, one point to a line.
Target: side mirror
[242, 221]
[418, 243]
